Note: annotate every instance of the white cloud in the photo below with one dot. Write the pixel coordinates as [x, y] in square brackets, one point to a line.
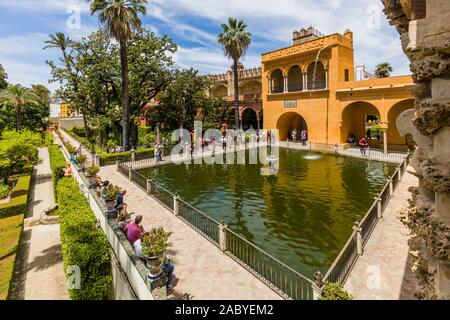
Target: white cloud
[272, 24]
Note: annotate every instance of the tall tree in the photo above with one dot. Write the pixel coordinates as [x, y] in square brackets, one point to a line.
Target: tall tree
[60, 41]
[120, 18]
[33, 115]
[17, 96]
[383, 70]
[182, 100]
[3, 77]
[235, 41]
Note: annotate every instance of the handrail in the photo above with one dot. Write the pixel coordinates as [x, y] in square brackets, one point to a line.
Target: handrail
[270, 256]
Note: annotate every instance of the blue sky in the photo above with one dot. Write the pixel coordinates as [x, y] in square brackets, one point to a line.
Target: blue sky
[194, 25]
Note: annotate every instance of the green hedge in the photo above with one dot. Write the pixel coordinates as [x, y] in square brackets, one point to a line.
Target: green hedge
[57, 164]
[83, 244]
[19, 196]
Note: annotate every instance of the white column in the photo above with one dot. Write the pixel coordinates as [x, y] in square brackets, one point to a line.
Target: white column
[326, 79]
[270, 85]
[305, 82]
[285, 84]
[385, 141]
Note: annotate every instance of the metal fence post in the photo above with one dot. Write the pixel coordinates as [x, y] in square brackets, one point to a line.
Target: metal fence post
[117, 165]
[97, 160]
[176, 205]
[223, 236]
[317, 285]
[379, 207]
[400, 175]
[149, 187]
[359, 240]
[130, 174]
[391, 187]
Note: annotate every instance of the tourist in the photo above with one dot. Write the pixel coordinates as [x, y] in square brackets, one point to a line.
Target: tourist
[168, 269]
[294, 135]
[134, 230]
[73, 158]
[369, 134]
[304, 137]
[158, 153]
[378, 134]
[67, 170]
[138, 244]
[119, 200]
[363, 145]
[350, 140]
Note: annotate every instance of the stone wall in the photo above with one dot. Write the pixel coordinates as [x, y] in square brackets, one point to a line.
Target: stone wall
[425, 33]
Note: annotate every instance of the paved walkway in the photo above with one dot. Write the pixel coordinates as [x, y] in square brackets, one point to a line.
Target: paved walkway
[384, 271]
[203, 271]
[40, 272]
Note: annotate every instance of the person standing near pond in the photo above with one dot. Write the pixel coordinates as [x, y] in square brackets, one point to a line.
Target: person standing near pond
[363, 145]
[158, 153]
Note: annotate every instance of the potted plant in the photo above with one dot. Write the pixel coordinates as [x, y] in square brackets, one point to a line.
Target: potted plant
[91, 173]
[154, 246]
[81, 159]
[110, 197]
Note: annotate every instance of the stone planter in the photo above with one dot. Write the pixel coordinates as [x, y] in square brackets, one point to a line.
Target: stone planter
[154, 265]
[91, 180]
[110, 205]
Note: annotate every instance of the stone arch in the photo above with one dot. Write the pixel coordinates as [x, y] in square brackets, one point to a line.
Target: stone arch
[219, 91]
[393, 135]
[277, 79]
[250, 119]
[354, 118]
[290, 121]
[320, 81]
[295, 79]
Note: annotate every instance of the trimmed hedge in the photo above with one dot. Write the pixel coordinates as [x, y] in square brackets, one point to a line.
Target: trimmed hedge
[57, 165]
[108, 158]
[19, 196]
[83, 244]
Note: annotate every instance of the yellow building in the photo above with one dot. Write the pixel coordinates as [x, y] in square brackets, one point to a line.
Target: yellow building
[311, 85]
[64, 110]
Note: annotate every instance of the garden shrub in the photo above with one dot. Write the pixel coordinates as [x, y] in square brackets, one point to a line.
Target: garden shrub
[4, 191]
[57, 164]
[83, 244]
[334, 291]
[19, 197]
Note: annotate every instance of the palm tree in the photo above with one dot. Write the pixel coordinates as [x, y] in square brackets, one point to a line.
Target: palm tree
[120, 18]
[60, 41]
[235, 41]
[18, 96]
[383, 70]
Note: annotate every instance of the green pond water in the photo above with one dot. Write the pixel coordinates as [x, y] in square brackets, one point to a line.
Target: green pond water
[303, 215]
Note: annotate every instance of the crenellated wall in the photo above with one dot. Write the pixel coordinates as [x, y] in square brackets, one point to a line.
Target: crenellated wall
[425, 32]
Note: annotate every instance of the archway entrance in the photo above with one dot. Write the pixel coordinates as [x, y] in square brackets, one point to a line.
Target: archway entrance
[394, 140]
[362, 119]
[288, 122]
[250, 119]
